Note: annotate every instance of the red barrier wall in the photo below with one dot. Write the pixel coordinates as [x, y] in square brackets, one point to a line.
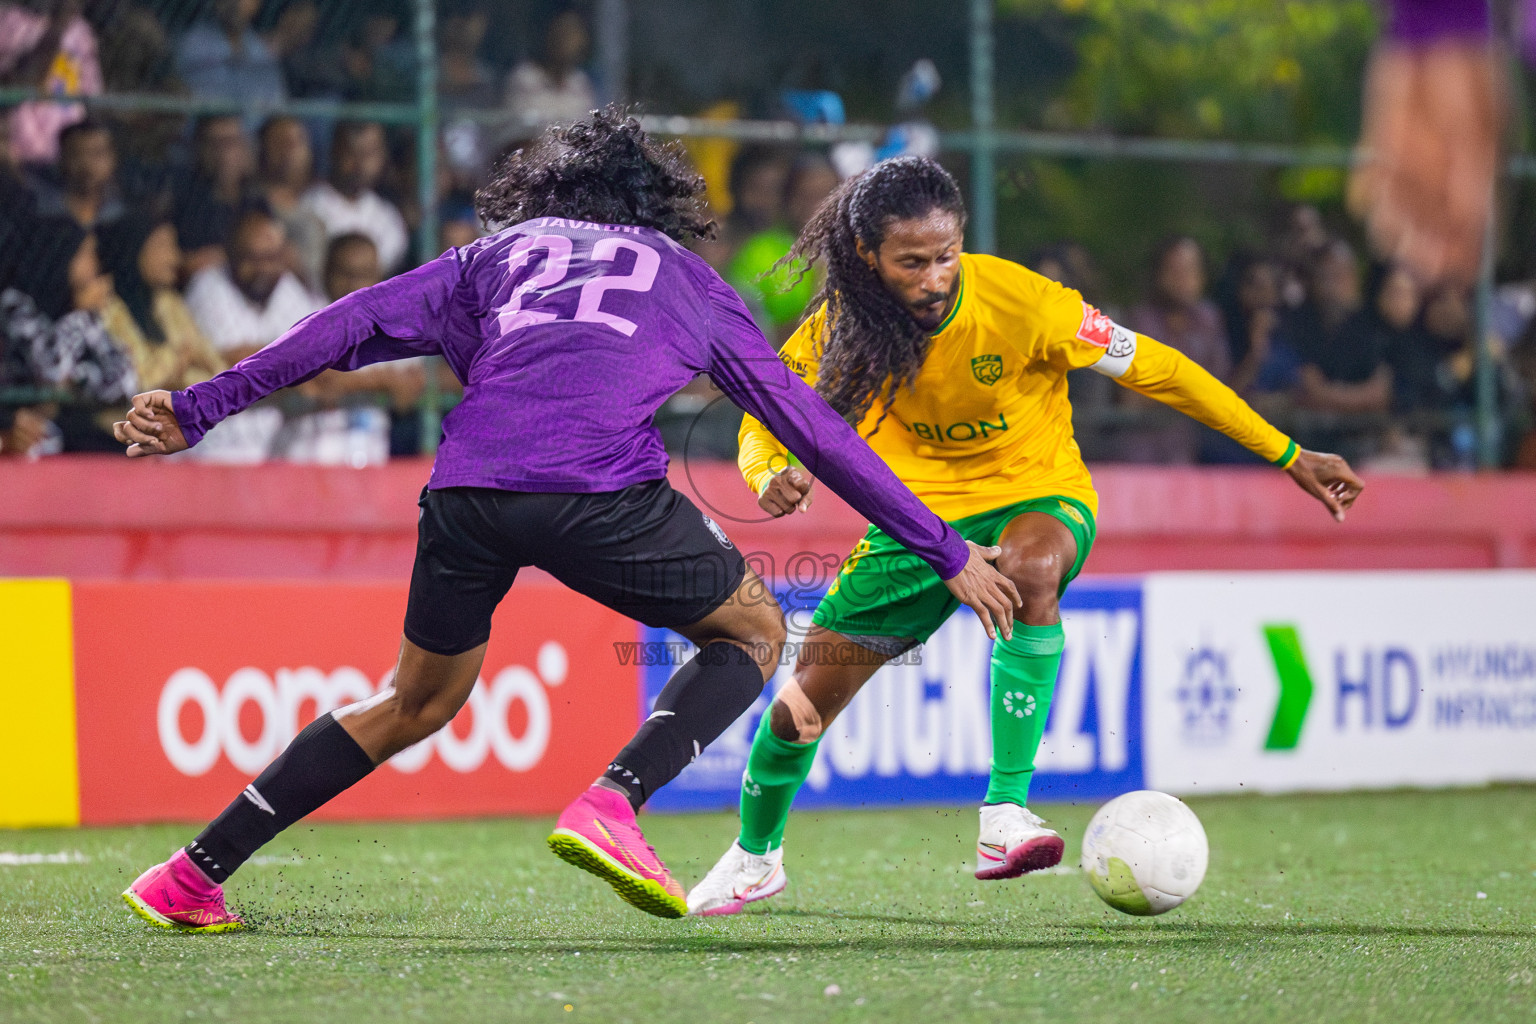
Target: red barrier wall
[184, 691]
[109, 518]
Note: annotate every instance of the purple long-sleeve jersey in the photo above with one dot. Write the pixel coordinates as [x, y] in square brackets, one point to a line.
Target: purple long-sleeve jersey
[568, 336]
[1419, 22]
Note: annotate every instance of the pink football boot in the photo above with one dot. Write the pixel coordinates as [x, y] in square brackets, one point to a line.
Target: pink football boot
[598, 832]
[177, 895]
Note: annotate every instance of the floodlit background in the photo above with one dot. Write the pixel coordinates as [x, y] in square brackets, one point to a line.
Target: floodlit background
[1158, 156]
[183, 181]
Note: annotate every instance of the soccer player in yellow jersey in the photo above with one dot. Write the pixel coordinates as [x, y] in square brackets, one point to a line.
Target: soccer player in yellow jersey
[953, 366]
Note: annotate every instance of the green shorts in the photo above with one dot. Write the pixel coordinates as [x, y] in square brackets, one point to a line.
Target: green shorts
[885, 590]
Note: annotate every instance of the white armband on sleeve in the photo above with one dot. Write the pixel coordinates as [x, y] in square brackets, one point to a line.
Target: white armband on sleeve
[1118, 353]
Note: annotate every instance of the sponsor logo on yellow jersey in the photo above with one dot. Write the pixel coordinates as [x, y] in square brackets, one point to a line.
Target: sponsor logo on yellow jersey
[965, 430]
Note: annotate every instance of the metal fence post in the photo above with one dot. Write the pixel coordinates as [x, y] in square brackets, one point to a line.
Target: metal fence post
[983, 165]
[426, 193]
[1490, 432]
[611, 35]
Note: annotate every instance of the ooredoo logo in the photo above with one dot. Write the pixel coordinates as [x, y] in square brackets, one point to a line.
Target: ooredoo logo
[279, 698]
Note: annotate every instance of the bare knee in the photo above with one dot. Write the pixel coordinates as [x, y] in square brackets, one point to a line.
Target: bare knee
[768, 628]
[415, 721]
[427, 691]
[761, 633]
[395, 721]
[1037, 570]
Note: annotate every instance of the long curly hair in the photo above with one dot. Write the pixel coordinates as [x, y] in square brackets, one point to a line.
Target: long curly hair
[873, 347]
[603, 168]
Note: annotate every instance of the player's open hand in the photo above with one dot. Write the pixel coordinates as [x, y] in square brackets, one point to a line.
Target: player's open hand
[1327, 478]
[151, 427]
[787, 490]
[990, 594]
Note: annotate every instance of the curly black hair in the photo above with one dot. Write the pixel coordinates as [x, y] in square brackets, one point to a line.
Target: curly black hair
[604, 169]
[873, 347]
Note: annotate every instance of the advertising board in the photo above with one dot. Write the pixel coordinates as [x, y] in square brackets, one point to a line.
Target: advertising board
[1323, 681]
[919, 731]
[176, 694]
[184, 691]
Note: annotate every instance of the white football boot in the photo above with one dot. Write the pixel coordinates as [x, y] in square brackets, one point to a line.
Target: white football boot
[1013, 842]
[737, 879]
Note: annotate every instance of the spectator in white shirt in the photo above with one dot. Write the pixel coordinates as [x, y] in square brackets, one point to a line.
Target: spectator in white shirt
[285, 168]
[241, 307]
[248, 303]
[351, 427]
[348, 203]
[553, 88]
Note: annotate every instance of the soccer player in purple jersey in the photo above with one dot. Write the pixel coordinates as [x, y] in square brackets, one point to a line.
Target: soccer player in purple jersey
[569, 327]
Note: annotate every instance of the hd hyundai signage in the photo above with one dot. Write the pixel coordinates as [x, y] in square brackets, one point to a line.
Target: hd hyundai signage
[1287, 681]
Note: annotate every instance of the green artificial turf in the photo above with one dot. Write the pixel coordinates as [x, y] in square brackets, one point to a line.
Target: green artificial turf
[1399, 907]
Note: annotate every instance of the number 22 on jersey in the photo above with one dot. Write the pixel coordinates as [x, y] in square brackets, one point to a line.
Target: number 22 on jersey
[557, 264]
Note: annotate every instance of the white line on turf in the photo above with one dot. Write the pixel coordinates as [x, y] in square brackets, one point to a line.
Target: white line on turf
[11, 860]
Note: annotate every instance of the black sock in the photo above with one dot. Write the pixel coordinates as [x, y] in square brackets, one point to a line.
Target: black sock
[698, 703]
[321, 762]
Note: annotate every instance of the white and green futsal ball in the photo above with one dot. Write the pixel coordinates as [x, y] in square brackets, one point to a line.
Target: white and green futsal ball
[1145, 853]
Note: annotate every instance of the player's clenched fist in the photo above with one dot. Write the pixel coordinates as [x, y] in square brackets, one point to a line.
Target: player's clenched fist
[786, 491]
[151, 427]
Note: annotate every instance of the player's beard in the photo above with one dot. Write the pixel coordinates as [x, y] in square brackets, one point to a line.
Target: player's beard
[930, 309]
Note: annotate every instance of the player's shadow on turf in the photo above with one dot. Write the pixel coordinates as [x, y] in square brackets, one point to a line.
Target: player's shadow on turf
[1349, 931]
[945, 934]
[1127, 934]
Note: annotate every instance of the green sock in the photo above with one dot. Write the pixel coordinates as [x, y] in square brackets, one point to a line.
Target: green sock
[775, 771]
[1023, 679]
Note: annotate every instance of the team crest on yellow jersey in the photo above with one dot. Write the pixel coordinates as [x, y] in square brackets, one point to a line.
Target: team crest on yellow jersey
[988, 369]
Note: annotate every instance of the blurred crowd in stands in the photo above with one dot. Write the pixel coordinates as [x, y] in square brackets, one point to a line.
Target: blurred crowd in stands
[1348, 355]
[141, 250]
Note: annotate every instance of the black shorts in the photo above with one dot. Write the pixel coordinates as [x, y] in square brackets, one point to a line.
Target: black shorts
[645, 551]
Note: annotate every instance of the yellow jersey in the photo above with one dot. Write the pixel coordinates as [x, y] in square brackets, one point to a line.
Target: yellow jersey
[987, 422]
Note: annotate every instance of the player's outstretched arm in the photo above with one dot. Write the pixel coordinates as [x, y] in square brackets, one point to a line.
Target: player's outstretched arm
[976, 587]
[1149, 367]
[1327, 478]
[821, 439]
[151, 427]
[745, 367]
[401, 317]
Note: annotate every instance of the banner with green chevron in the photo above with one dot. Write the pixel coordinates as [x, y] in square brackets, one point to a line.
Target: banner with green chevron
[1292, 681]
